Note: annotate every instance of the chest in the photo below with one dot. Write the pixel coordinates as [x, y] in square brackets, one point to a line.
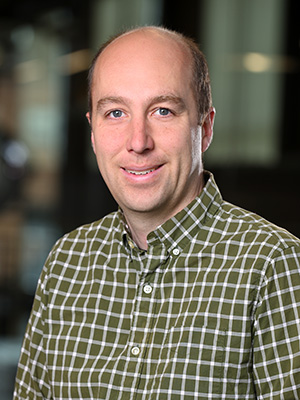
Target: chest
[145, 322]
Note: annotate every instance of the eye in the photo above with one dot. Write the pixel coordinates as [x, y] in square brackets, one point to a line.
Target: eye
[115, 114]
[162, 111]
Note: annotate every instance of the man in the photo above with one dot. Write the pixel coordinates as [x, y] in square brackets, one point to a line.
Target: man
[178, 294]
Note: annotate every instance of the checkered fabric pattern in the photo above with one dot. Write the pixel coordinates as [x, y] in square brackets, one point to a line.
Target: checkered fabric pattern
[210, 311]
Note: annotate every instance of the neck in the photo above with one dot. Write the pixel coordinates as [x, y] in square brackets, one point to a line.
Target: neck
[141, 226]
[142, 223]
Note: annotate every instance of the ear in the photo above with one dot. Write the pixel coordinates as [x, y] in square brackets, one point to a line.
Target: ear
[207, 129]
[88, 116]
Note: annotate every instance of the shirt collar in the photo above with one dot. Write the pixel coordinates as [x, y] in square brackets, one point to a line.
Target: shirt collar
[175, 233]
[180, 229]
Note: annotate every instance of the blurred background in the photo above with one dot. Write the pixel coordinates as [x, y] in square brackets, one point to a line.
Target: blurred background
[49, 182]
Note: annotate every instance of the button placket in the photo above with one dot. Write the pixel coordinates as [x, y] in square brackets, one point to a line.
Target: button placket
[145, 304]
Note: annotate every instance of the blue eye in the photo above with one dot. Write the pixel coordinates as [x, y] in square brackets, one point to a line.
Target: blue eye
[163, 111]
[116, 114]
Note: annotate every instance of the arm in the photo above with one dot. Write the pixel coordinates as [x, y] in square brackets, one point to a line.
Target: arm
[32, 380]
[276, 336]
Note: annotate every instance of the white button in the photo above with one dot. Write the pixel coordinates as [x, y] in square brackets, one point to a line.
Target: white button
[176, 252]
[131, 244]
[147, 289]
[135, 351]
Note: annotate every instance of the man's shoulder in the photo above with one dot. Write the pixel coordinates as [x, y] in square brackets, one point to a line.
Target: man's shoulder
[102, 230]
[244, 222]
[106, 223]
[241, 225]
[82, 250]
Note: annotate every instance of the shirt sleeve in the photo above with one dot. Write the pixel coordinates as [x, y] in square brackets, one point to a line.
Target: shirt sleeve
[276, 329]
[32, 378]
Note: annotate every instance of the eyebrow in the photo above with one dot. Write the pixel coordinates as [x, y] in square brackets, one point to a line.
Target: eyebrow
[108, 100]
[157, 99]
[178, 101]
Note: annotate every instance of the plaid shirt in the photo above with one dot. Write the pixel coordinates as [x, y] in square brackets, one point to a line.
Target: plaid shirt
[210, 311]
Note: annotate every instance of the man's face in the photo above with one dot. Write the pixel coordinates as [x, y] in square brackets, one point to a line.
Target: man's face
[145, 131]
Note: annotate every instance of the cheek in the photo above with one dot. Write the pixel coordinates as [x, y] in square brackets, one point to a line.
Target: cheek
[101, 149]
[106, 143]
[107, 151]
[190, 144]
[196, 141]
[192, 153]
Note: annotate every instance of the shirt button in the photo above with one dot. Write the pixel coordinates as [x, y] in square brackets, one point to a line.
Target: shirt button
[135, 351]
[147, 289]
[131, 244]
[176, 252]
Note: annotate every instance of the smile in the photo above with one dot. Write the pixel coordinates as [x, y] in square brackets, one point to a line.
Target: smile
[140, 172]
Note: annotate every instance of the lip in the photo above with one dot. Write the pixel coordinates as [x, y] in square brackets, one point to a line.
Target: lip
[141, 172]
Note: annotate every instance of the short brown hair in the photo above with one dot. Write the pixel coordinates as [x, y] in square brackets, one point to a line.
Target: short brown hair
[201, 80]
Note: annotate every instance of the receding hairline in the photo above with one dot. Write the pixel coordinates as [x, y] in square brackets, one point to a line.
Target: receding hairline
[186, 44]
[174, 36]
[177, 37]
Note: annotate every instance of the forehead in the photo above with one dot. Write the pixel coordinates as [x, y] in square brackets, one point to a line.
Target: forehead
[151, 38]
[145, 50]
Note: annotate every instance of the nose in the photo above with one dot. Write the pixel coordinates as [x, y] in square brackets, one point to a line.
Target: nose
[139, 139]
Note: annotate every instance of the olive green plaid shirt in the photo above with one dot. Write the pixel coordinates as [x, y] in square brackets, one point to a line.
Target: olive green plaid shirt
[210, 311]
